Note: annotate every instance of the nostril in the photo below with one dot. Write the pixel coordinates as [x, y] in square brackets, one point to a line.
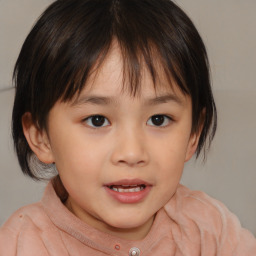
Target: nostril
[132, 162]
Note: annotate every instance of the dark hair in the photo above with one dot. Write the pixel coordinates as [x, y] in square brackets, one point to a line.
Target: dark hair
[72, 36]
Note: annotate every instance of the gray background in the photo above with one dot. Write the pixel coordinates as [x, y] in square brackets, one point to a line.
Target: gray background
[229, 174]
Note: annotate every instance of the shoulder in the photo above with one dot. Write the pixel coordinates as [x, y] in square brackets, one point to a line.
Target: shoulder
[22, 221]
[196, 212]
[198, 204]
[207, 224]
[30, 230]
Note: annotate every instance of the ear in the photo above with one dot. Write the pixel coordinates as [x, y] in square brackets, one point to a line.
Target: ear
[194, 138]
[37, 139]
[192, 145]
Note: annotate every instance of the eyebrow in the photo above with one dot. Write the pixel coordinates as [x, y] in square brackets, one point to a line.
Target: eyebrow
[97, 100]
[101, 100]
[165, 99]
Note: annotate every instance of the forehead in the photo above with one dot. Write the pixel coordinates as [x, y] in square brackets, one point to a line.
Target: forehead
[112, 77]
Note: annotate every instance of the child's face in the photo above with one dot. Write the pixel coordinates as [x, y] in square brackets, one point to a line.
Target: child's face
[121, 167]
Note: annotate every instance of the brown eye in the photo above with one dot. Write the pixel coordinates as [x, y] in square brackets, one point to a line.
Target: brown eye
[97, 121]
[159, 120]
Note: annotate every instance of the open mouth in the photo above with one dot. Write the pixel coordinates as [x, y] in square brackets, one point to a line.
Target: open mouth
[128, 191]
[127, 188]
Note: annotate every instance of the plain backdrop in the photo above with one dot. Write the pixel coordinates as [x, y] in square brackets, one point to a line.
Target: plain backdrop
[229, 174]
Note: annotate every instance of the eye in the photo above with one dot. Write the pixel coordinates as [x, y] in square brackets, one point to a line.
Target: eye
[97, 121]
[159, 120]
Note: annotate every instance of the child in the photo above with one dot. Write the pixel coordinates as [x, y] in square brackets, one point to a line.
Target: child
[114, 96]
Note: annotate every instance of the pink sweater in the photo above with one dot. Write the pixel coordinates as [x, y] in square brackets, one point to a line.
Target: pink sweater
[190, 224]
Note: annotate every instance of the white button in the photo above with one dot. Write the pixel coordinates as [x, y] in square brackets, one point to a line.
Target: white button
[134, 251]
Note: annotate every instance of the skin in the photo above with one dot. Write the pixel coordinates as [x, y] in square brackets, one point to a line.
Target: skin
[127, 146]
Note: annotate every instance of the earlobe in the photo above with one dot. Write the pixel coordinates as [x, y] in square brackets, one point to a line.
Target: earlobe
[37, 139]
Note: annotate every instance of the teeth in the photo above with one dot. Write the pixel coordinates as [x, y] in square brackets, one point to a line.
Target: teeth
[128, 190]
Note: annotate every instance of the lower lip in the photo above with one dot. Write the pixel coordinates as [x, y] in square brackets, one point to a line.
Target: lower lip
[129, 197]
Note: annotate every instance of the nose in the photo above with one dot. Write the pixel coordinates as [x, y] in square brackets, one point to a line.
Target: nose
[130, 149]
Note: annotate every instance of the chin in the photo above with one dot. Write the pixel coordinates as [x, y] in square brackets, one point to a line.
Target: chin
[126, 223]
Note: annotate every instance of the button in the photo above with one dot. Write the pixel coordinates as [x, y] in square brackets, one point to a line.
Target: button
[134, 251]
[117, 247]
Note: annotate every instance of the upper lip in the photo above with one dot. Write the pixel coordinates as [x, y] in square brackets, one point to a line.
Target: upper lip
[127, 182]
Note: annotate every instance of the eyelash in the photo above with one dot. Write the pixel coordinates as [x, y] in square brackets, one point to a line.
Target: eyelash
[89, 120]
[166, 118]
[102, 120]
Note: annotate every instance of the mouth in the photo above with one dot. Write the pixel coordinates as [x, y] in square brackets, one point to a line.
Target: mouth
[127, 188]
[128, 191]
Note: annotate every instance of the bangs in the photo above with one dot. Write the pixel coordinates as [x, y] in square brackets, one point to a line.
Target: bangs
[141, 42]
[134, 64]
[73, 37]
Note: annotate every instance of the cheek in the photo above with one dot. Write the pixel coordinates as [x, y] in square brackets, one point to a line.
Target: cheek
[78, 159]
[172, 150]
[71, 143]
[170, 157]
